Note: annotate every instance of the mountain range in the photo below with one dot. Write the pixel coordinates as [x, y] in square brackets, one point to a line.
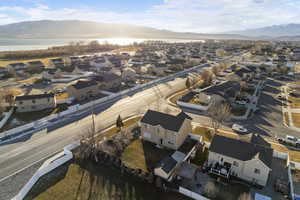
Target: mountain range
[46, 29]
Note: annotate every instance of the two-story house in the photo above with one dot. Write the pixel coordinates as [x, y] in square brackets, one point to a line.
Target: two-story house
[57, 62]
[108, 81]
[82, 90]
[3, 72]
[249, 160]
[29, 103]
[35, 66]
[165, 130]
[18, 68]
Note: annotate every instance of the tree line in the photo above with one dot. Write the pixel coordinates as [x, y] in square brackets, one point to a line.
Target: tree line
[73, 48]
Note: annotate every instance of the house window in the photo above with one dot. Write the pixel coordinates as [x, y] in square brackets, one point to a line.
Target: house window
[256, 171]
[33, 101]
[236, 164]
[221, 159]
[48, 99]
[21, 102]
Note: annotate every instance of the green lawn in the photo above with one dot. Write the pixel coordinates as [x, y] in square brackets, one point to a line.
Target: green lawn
[143, 155]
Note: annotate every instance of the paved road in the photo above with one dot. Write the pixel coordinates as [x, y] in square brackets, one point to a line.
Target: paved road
[16, 156]
[269, 121]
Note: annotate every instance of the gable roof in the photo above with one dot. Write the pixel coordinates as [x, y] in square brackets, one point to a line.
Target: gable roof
[241, 150]
[36, 96]
[169, 122]
[17, 64]
[37, 62]
[84, 84]
[167, 164]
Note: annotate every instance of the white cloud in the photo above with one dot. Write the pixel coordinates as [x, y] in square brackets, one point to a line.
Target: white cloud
[177, 15]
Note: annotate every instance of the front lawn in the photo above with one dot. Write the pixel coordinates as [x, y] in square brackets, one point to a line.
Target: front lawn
[144, 155]
[296, 119]
[294, 102]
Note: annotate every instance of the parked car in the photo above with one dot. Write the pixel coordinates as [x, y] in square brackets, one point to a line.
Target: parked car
[239, 128]
[241, 102]
[290, 140]
[280, 96]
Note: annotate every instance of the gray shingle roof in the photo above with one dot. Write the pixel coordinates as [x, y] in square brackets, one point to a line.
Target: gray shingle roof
[169, 122]
[241, 150]
[84, 84]
[37, 96]
[167, 164]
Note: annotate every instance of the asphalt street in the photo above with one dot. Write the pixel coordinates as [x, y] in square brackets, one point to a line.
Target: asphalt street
[20, 154]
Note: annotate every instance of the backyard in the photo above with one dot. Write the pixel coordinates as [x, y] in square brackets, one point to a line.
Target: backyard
[143, 155]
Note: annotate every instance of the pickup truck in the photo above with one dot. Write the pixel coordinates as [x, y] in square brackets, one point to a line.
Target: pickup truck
[289, 140]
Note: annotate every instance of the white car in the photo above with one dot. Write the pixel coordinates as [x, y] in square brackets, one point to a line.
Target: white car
[238, 128]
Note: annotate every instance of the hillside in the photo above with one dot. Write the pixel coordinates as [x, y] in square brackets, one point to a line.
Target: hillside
[85, 29]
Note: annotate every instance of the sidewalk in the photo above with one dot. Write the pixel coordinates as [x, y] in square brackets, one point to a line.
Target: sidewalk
[289, 110]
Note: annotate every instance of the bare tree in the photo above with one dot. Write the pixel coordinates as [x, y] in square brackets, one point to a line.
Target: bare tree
[88, 144]
[188, 83]
[218, 112]
[206, 76]
[215, 69]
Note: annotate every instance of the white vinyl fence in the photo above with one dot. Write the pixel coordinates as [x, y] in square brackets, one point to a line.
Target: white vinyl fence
[89, 105]
[48, 166]
[191, 194]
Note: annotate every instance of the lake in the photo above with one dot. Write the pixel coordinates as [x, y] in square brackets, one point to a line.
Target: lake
[34, 44]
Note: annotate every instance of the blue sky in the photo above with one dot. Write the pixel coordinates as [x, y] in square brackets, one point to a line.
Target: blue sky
[178, 15]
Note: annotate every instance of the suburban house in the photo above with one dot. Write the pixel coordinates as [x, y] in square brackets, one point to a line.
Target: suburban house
[19, 68]
[165, 130]
[98, 63]
[29, 103]
[128, 74]
[248, 159]
[82, 90]
[35, 66]
[49, 73]
[74, 60]
[57, 62]
[3, 72]
[108, 81]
